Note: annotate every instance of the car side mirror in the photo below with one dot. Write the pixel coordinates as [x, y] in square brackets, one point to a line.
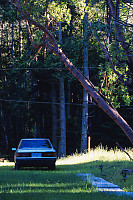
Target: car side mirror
[13, 149]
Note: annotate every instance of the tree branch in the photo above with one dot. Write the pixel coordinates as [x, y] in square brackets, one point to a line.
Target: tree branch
[25, 16]
[35, 56]
[100, 29]
[107, 53]
[124, 151]
[121, 36]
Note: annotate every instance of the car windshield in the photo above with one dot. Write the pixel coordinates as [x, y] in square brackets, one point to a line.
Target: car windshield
[34, 144]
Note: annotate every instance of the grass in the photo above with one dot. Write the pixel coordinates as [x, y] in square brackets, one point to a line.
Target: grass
[113, 161]
[64, 183]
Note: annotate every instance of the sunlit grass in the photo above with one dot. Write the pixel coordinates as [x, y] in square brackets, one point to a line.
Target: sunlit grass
[6, 163]
[63, 183]
[113, 162]
[99, 153]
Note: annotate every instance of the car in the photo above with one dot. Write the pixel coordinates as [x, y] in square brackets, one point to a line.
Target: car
[35, 152]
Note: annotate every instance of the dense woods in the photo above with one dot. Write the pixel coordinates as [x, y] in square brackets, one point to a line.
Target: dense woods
[39, 97]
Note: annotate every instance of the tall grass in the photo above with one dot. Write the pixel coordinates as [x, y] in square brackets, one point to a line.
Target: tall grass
[98, 154]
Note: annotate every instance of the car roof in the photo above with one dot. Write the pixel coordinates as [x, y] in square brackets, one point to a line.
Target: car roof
[35, 139]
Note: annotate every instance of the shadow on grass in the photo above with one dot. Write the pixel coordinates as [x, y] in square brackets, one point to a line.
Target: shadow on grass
[45, 195]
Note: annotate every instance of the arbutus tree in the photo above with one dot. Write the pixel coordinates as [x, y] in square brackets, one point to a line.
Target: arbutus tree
[121, 39]
[120, 55]
[50, 43]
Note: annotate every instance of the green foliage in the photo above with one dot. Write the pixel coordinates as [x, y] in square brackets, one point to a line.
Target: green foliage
[111, 86]
[8, 13]
[60, 12]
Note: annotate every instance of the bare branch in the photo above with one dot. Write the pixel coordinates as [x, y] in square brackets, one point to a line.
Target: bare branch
[116, 8]
[124, 151]
[35, 56]
[105, 75]
[29, 30]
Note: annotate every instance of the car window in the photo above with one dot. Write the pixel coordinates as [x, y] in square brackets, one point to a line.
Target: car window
[34, 144]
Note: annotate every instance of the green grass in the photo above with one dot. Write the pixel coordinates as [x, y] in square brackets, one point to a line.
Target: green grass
[64, 183]
[113, 161]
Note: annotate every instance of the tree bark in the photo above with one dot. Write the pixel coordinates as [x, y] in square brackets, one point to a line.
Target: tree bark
[54, 116]
[86, 83]
[20, 40]
[85, 92]
[109, 23]
[12, 40]
[68, 98]
[62, 142]
[1, 27]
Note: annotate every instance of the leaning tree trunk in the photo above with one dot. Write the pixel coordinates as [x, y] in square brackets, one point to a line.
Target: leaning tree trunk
[86, 83]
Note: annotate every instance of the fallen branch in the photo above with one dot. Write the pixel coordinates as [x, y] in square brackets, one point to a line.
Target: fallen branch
[124, 151]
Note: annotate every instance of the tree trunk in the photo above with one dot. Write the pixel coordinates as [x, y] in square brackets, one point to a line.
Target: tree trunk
[35, 129]
[62, 142]
[109, 23]
[7, 36]
[84, 121]
[54, 117]
[0, 59]
[85, 93]
[1, 27]
[12, 39]
[68, 98]
[20, 40]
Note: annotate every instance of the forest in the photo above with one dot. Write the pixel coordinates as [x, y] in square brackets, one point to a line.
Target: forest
[40, 97]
